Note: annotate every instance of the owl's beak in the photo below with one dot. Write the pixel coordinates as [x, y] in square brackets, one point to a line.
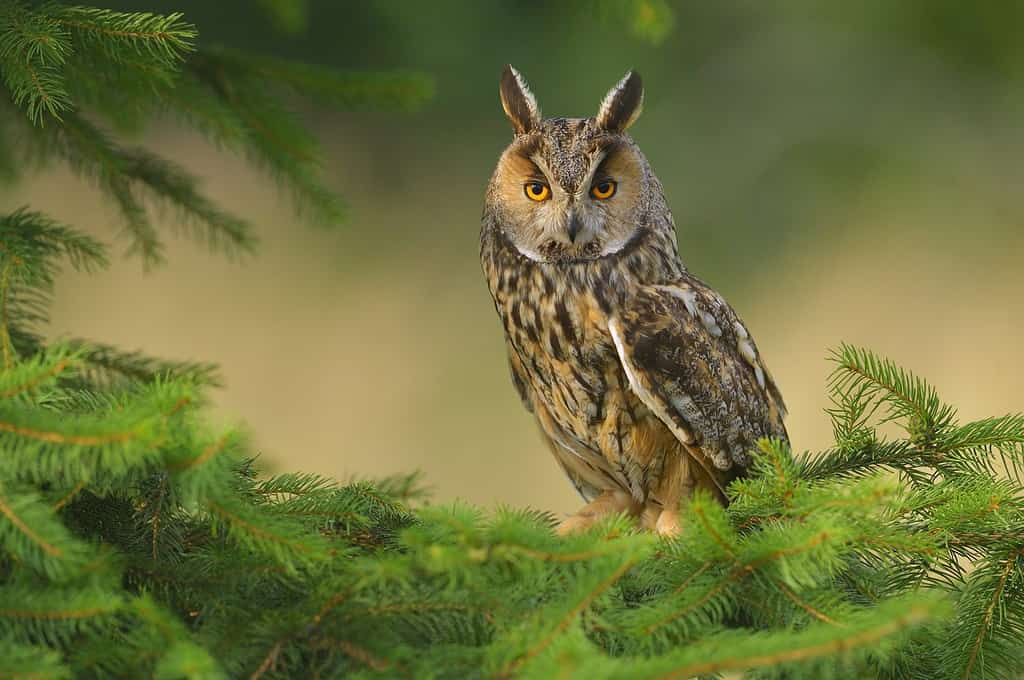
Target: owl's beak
[575, 225]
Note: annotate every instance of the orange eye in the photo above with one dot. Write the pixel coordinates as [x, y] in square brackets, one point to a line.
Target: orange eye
[603, 190]
[538, 191]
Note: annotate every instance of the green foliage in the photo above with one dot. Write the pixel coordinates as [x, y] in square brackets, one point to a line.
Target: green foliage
[135, 541]
[72, 74]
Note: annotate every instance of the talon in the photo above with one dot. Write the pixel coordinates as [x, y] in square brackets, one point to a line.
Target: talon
[668, 524]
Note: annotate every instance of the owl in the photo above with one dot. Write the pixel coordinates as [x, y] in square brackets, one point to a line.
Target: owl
[643, 380]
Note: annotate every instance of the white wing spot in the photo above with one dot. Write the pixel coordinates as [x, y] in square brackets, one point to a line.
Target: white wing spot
[747, 351]
[689, 299]
[711, 324]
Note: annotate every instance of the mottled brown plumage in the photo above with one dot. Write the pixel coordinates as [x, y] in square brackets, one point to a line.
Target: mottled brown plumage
[643, 380]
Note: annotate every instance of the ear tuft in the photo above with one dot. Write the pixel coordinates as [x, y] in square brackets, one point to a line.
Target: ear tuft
[623, 104]
[518, 102]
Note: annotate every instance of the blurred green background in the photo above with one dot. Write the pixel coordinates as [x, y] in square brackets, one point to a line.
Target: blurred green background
[840, 171]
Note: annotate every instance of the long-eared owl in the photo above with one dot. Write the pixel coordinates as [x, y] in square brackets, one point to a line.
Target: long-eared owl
[644, 381]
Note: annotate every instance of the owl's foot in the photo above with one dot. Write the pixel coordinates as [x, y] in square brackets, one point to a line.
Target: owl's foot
[649, 516]
[608, 503]
[661, 521]
[667, 524]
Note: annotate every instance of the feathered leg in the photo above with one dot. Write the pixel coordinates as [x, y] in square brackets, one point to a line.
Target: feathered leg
[608, 503]
[677, 484]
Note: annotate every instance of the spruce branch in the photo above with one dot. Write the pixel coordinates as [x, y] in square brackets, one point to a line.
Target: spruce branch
[276, 537]
[405, 488]
[5, 336]
[179, 190]
[992, 446]
[905, 396]
[34, 48]
[866, 459]
[163, 38]
[18, 660]
[38, 88]
[273, 137]
[42, 48]
[128, 174]
[54, 615]
[557, 618]
[30, 246]
[123, 436]
[105, 366]
[79, 69]
[991, 630]
[32, 36]
[860, 638]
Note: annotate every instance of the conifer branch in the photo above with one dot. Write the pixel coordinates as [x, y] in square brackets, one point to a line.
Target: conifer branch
[691, 607]
[20, 525]
[31, 382]
[820, 616]
[67, 66]
[104, 366]
[155, 519]
[206, 454]
[55, 606]
[362, 655]
[5, 336]
[166, 37]
[564, 623]
[33, 49]
[69, 439]
[31, 662]
[68, 497]
[268, 661]
[984, 627]
[123, 172]
[905, 395]
[692, 577]
[914, 615]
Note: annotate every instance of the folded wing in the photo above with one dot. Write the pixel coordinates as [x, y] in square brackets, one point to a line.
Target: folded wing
[693, 363]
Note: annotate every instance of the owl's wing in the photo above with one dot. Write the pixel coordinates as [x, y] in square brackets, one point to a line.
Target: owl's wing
[693, 363]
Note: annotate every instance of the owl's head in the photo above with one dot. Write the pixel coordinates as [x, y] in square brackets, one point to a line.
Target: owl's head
[570, 189]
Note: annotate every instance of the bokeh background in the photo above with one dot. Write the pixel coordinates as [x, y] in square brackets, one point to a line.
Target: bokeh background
[840, 171]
